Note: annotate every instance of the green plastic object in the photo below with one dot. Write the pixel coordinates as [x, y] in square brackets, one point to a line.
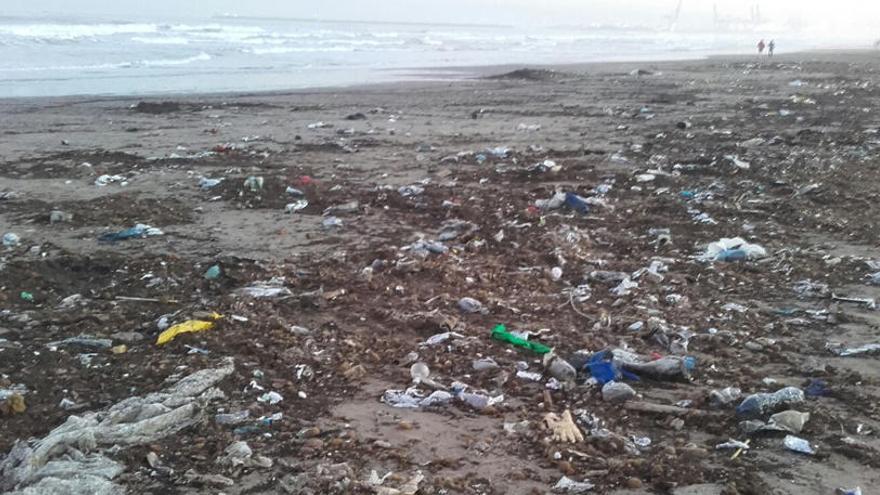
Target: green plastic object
[500, 333]
[27, 296]
[213, 272]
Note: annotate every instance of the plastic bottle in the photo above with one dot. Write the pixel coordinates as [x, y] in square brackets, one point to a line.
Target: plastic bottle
[724, 397]
[500, 333]
[559, 368]
[476, 400]
[664, 368]
[731, 255]
[757, 405]
[234, 418]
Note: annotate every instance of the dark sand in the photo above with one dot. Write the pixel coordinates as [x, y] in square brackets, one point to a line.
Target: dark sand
[809, 196]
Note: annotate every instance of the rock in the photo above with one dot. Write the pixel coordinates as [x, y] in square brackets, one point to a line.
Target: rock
[208, 479]
[58, 216]
[617, 392]
[693, 453]
[485, 364]
[633, 483]
[294, 485]
[470, 305]
[313, 444]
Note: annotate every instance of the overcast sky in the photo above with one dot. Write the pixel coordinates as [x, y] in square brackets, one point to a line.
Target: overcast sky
[863, 15]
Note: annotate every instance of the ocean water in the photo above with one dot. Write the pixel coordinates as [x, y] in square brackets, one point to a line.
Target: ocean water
[55, 57]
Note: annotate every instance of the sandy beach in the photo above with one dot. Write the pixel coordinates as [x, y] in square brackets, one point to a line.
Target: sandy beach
[372, 211]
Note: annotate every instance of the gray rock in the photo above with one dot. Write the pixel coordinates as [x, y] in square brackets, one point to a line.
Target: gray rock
[617, 392]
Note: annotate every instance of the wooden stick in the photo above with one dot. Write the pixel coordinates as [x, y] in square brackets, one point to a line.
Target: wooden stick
[146, 299]
[649, 407]
[740, 451]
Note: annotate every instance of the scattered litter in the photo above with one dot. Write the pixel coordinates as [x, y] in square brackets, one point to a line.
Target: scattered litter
[254, 183]
[500, 333]
[189, 326]
[271, 398]
[409, 191]
[104, 180]
[58, 216]
[411, 398]
[568, 485]
[732, 445]
[11, 240]
[843, 351]
[740, 164]
[296, 206]
[42, 465]
[757, 405]
[138, 231]
[331, 222]
[270, 289]
[213, 272]
[441, 338]
[563, 428]
[734, 249]
[523, 127]
[799, 445]
[724, 397]
[206, 183]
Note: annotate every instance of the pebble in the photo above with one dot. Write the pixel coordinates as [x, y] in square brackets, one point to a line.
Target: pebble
[633, 483]
[313, 444]
[312, 432]
[617, 392]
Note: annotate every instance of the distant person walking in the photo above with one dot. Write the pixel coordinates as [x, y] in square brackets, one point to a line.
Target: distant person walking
[771, 47]
[761, 46]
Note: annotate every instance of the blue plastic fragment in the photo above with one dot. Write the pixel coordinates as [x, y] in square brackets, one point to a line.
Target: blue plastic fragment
[731, 255]
[576, 203]
[817, 388]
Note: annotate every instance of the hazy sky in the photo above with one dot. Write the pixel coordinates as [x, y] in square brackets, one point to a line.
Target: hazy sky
[827, 15]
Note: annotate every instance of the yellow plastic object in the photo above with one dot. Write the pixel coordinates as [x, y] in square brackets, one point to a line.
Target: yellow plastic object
[187, 327]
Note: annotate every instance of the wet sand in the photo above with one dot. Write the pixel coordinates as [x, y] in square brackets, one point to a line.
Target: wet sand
[781, 152]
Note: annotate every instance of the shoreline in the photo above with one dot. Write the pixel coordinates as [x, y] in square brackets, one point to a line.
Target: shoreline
[467, 73]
